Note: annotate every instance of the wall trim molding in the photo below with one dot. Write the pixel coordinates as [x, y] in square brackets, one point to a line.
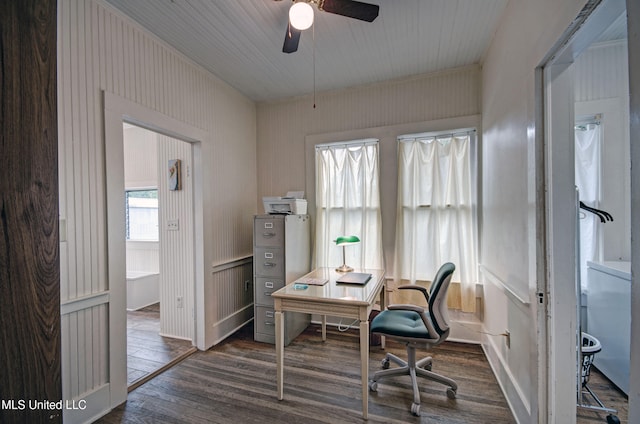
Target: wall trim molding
[233, 263]
[503, 286]
[85, 302]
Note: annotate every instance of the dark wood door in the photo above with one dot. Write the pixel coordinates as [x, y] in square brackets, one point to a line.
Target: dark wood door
[30, 377]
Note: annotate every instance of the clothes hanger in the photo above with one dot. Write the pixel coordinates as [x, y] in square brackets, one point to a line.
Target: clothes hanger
[603, 215]
[596, 213]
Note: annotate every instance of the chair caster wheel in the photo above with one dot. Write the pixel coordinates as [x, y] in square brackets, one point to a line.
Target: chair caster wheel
[613, 419]
[373, 386]
[415, 409]
[385, 363]
[428, 367]
[451, 394]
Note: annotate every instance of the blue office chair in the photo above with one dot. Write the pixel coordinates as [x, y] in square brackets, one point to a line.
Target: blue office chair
[417, 327]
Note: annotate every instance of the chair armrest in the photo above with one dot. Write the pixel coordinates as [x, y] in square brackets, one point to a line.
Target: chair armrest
[416, 287]
[406, 307]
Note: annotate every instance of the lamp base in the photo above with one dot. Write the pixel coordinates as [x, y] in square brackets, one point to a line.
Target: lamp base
[344, 268]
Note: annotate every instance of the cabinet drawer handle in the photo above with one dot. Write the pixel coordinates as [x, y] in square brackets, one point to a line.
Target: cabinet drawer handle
[267, 293]
[267, 235]
[269, 264]
[269, 323]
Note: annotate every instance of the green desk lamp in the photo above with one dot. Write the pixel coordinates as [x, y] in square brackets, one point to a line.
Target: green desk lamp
[345, 241]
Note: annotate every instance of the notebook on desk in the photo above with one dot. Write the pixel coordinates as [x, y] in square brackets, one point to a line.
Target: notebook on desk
[360, 278]
[313, 281]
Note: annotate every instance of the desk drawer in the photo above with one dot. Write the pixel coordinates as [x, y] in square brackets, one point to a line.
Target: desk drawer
[268, 232]
[268, 262]
[264, 287]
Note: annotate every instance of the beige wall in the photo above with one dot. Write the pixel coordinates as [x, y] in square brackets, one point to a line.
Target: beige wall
[288, 130]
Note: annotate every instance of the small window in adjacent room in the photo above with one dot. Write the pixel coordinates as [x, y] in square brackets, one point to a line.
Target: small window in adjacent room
[141, 208]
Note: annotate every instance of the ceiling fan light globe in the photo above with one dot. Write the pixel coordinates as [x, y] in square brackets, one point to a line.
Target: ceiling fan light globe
[301, 15]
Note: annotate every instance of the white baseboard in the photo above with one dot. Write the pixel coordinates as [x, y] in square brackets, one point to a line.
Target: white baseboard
[229, 325]
[466, 332]
[87, 407]
[517, 401]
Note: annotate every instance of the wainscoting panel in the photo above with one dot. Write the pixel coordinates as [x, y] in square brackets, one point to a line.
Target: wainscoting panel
[84, 354]
[234, 286]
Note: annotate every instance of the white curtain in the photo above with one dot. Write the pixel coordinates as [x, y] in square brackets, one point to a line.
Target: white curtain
[435, 212]
[348, 203]
[587, 175]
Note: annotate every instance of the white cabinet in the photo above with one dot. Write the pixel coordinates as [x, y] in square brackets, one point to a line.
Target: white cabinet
[281, 253]
[609, 318]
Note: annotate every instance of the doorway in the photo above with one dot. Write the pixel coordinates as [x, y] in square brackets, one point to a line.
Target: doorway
[180, 209]
[572, 100]
[154, 272]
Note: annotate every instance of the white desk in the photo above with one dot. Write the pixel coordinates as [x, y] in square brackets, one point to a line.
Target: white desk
[340, 300]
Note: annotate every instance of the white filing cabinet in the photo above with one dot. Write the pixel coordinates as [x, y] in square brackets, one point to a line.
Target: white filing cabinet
[609, 318]
[281, 254]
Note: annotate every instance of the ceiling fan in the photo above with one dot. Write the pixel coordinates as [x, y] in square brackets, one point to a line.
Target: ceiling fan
[302, 9]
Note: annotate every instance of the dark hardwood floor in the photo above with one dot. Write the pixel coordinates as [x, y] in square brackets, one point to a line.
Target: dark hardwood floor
[609, 395]
[234, 382]
[148, 352]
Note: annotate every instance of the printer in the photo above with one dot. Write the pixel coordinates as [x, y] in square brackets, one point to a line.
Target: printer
[291, 204]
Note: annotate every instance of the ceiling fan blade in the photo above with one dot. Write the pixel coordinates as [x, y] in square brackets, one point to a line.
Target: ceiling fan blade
[351, 8]
[291, 39]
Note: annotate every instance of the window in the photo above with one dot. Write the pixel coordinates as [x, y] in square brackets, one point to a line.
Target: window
[141, 208]
[435, 213]
[348, 203]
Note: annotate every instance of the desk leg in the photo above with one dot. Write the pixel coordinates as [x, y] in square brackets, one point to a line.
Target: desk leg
[383, 306]
[280, 353]
[364, 366]
[324, 328]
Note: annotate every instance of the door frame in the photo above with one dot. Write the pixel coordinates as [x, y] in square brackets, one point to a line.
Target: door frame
[556, 123]
[116, 111]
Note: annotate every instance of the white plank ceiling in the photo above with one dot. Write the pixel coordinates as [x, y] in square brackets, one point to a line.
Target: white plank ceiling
[241, 41]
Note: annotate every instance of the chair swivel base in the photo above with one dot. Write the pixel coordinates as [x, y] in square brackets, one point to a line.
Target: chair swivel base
[421, 368]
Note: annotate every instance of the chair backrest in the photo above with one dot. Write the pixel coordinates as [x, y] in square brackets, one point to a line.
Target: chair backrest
[438, 298]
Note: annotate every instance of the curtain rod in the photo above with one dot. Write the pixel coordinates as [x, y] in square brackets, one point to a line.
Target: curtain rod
[586, 120]
[436, 135]
[351, 143]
